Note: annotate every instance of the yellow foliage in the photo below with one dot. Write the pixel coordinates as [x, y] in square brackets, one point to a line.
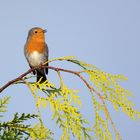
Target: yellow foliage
[65, 104]
[41, 101]
[40, 132]
[66, 115]
[41, 86]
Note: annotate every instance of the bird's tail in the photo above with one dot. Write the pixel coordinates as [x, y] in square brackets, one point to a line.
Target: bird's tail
[41, 76]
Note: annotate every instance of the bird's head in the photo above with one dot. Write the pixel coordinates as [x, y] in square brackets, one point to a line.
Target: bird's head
[36, 34]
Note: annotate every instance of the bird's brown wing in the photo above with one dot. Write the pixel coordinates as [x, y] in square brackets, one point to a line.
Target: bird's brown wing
[47, 57]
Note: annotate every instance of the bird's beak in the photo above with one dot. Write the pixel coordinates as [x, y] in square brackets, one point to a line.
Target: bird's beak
[45, 30]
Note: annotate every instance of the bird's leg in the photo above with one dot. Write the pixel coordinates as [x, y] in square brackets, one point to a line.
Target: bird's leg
[40, 66]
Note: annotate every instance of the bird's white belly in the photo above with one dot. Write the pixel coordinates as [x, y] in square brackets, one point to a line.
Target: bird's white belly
[36, 59]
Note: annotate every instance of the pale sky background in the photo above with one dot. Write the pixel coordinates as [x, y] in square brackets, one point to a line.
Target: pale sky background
[104, 33]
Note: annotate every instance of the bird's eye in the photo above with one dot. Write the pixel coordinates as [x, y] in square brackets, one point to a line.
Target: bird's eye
[35, 32]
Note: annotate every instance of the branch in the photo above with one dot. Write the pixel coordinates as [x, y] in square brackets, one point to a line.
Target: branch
[49, 67]
[16, 79]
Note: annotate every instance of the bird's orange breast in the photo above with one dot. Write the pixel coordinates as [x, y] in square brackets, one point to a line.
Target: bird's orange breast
[35, 46]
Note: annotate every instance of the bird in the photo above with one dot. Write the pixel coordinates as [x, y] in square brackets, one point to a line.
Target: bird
[36, 52]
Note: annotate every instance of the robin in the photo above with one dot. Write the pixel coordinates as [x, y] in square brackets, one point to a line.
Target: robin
[36, 51]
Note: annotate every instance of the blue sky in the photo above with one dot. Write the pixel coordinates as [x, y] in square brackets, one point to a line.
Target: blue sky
[104, 33]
